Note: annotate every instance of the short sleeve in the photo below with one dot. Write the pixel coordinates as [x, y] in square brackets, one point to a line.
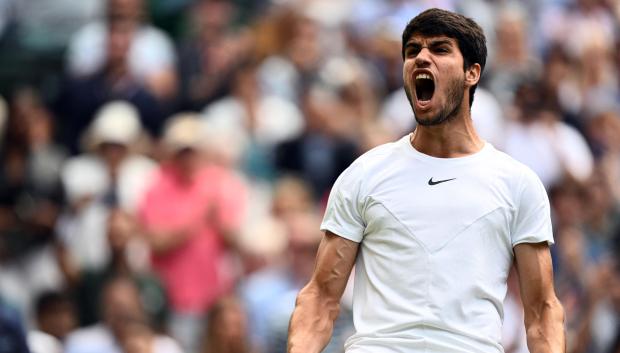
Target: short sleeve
[343, 215]
[532, 222]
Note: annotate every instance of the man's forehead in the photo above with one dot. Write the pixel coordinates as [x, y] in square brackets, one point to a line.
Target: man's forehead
[422, 39]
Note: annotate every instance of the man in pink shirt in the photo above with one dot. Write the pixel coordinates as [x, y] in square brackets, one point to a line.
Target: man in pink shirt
[190, 215]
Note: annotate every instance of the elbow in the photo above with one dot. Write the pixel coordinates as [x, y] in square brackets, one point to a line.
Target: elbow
[317, 298]
[555, 307]
[544, 324]
[545, 310]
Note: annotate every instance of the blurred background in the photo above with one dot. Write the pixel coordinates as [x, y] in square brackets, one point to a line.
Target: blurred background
[164, 164]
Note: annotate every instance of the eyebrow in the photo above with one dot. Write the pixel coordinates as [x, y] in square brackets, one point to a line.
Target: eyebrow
[433, 43]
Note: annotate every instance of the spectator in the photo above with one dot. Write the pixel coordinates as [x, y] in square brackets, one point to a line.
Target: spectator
[191, 215]
[540, 140]
[30, 167]
[121, 306]
[568, 202]
[571, 282]
[109, 175]
[317, 155]
[30, 201]
[227, 331]
[514, 60]
[593, 86]
[261, 120]
[287, 72]
[208, 57]
[291, 195]
[357, 101]
[603, 132]
[56, 318]
[128, 257]
[81, 96]
[575, 20]
[261, 245]
[601, 217]
[150, 58]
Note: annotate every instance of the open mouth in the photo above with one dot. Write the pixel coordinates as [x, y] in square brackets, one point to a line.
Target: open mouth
[424, 87]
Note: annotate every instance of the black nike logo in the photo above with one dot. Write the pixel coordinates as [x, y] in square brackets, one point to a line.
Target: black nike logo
[431, 182]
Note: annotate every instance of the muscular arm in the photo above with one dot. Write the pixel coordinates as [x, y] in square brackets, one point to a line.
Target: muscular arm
[544, 315]
[318, 303]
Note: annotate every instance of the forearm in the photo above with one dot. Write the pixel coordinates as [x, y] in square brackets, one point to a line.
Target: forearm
[545, 328]
[312, 322]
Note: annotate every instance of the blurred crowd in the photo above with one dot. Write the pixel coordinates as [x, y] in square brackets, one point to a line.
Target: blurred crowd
[164, 164]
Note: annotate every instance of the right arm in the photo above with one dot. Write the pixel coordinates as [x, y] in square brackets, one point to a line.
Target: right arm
[318, 303]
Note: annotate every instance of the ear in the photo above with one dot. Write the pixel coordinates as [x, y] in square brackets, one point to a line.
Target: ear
[472, 74]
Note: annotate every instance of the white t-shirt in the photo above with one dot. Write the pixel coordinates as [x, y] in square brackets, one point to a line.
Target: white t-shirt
[436, 244]
[151, 51]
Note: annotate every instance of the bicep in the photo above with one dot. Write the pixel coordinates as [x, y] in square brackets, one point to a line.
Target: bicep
[533, 263]
[334, 261]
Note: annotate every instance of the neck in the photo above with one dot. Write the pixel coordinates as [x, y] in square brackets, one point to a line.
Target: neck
[453, 138]
[119, 263]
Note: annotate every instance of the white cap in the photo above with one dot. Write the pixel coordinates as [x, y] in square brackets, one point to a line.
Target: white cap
[184, 130]
[116, 122]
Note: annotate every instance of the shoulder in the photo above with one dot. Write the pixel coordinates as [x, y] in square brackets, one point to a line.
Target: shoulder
[368, 167]
[377, 156]
[504, 162]
[511, 175]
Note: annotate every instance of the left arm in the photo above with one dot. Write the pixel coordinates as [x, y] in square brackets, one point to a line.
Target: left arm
[544, 314]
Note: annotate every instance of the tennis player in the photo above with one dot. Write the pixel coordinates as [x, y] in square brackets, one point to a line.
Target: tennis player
[433, 223]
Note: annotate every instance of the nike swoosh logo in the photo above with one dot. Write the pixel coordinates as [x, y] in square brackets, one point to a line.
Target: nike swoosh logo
[431, 182]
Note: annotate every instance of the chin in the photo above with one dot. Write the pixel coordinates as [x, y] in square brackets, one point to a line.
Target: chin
[429, 119]
[427, 122]
[425, 117]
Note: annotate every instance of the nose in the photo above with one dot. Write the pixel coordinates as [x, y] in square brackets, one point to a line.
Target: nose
[422, 59]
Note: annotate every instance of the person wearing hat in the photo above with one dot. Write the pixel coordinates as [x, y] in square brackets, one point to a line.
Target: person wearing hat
[108, 175]
[189, 217]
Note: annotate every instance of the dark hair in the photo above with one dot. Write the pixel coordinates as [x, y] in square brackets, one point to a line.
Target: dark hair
[468, 34]
[50, 301]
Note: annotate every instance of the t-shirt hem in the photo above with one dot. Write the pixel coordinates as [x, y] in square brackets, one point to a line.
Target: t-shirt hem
[533, 241]
[343, 233]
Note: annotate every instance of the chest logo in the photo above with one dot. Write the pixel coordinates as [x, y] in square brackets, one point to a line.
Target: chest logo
[432, 182]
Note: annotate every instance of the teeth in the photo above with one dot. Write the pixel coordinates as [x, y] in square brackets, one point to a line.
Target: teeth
[423, 77]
